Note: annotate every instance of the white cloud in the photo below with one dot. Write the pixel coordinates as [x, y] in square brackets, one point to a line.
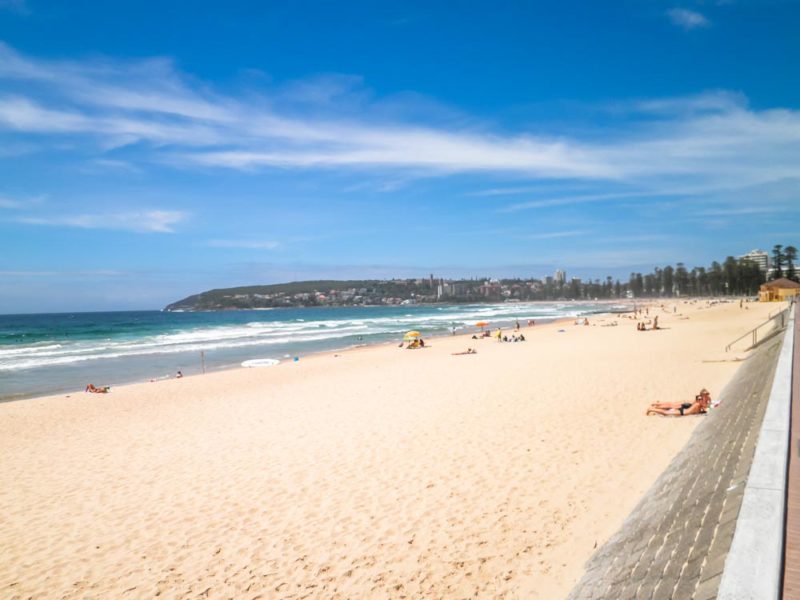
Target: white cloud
[583, 199]
[687, 19]
[249, 244]
[20, 203]
[700, 142]
[9, 203]
[146, 221]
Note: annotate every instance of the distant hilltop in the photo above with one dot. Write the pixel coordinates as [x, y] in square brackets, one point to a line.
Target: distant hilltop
[376, 292]
[348, 293]
[741, 276]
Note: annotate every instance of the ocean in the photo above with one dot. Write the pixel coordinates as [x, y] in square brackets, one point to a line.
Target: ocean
[54, 353]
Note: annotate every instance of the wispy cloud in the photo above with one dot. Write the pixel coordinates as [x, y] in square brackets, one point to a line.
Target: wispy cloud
[550, 235]
[147, 221]
[687, 19]
[744, 210]
[9, 203]
[247, 244]
[80, 273]
[582, 199]
[702, 141]
[18, 6]
[19, 203]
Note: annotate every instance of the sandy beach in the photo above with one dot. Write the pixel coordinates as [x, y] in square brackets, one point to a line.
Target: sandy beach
[372, 473]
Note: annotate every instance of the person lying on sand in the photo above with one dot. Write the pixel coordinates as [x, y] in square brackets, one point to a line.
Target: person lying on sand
[680, 409]
[469, 351]
[98, 390]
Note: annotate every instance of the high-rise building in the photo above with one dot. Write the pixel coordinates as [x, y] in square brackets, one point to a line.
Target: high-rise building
[561, 276]
[759, 257]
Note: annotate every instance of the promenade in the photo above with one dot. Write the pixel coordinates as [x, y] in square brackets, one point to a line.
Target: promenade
[791, 580]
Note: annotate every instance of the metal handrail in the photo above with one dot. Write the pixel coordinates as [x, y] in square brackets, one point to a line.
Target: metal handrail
[782, 315]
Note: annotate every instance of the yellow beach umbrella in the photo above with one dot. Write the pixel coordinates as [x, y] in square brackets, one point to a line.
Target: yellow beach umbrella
[410, 335]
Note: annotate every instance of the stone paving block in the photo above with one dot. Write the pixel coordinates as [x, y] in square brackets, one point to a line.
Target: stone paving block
[663, 591]
[673, 571]
[628, 591]
[713, 568]
[707, 590]
[685, 588]
[647, 588]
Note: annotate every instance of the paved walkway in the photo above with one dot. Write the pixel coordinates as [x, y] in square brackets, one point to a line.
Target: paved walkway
[791, 561]
[674, 543]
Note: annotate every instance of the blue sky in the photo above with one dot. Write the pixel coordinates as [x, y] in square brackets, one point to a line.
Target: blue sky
[153, 150]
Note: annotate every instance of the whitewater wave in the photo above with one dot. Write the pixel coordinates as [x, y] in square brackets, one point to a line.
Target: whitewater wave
[296, 333]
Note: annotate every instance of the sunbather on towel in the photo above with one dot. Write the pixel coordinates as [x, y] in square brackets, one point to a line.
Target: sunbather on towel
[104, 389]
[681, 409]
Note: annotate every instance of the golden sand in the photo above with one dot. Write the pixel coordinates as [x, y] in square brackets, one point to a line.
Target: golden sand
[374, 473]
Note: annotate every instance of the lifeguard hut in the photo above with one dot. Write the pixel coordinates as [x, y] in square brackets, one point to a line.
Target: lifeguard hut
[778, 290]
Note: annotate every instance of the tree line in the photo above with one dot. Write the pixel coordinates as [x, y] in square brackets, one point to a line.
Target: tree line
[784, 257]
[732, 277]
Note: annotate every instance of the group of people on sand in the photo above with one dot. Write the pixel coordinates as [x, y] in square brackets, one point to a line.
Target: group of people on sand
[514, 338]
[414, 344]
[681, 409]
[642, 325]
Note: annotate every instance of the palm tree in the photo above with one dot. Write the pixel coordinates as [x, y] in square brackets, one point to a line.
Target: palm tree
[790, 255]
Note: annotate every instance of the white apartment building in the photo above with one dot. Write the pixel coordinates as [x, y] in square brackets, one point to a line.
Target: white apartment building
[759, 257]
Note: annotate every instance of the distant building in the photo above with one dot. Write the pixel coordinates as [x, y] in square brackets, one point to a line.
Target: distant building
[779, 289]
[759, 257]
[560, 276]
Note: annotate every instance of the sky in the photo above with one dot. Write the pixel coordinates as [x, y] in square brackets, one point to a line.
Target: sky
[149, 151]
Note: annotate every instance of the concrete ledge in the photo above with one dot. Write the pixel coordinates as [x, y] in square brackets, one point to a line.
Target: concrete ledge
[754, 564]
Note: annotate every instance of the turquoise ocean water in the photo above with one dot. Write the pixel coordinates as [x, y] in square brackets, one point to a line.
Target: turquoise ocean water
[53, 353]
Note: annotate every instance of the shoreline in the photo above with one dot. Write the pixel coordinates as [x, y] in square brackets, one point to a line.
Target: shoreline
[321, 354]
[350, 348]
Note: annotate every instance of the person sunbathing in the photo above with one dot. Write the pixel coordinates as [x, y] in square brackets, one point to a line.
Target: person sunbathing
[681, 409]
[469, 351]
[97, 390]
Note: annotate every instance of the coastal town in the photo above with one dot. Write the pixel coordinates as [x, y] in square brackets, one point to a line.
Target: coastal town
[734, 276]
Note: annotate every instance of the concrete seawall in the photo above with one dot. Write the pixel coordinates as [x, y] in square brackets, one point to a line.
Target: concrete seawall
[676, 541]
